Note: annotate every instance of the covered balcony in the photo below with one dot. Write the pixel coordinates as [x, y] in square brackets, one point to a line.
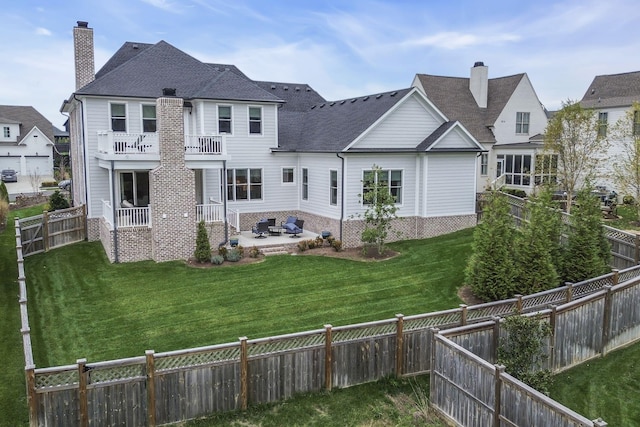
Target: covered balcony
[120, 145]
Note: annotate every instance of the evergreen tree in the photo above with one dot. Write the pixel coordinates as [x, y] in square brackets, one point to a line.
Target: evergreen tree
[538, 246]
[587, 251]
[58, 201]
[490, 271]
[203, 248]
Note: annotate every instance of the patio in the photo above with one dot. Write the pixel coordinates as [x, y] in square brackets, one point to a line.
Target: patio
[247, 239]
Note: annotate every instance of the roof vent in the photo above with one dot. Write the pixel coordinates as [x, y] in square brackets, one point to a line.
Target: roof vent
[135, 46]
[297, 89]
[83, 24]
[593, 91]
[332, 104]
[168, 91]
[343, 101]
[321, 105]
[378, 96]
[313, 106]
[273, 87]
[365, 98]
[285, 87]
[354, 100]
[393, 93]
[308, 89]
[478, 64]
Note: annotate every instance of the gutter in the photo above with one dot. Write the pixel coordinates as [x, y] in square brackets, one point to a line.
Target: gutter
[341, 194]
[223, 179]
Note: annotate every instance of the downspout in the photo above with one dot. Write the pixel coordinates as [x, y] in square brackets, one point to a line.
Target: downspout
[341, 194]
[84, 153]
[223, 180]
[114, 216]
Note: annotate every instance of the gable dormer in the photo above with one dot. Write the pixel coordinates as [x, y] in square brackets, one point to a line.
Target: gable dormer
[9, 130]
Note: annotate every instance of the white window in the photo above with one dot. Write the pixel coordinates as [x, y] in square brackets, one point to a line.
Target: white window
[244, 184]
[224, 119]
[134, 188]
[333, 187]
[305, 184]
[6, 131]
[392, 179]
[522, 123]
[118, 117]
[484, 164]
[517, 168]
[288, 175]
[603, 118]
[255, 120]
[148, 118]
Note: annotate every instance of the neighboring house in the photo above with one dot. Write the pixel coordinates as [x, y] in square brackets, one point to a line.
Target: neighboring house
[160, 141]
[612, 96]
[26, 141]
[503, 114]
[61, 149]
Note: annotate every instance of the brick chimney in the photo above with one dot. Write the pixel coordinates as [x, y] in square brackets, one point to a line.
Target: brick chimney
[83, 54]
[479, 83]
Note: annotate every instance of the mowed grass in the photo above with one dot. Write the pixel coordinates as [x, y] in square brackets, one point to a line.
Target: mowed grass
[81, 306]
[608, 387]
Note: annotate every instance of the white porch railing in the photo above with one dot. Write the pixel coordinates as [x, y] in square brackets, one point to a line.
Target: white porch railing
[234, 219]
[128, 143]
[210, 213]
[107, 213]
[127, 217]
[499, 182]
[205, 145]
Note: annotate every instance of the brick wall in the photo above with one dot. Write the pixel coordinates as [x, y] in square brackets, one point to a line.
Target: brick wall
[93, 229]
[83, 54]
[172, 188]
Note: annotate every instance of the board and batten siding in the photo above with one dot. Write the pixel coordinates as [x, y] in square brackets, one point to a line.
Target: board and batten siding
[406, 127]
[356, 165]
[450, 184]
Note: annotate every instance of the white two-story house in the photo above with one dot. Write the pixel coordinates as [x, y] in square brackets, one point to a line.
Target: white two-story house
[161, 141]
[503, 114]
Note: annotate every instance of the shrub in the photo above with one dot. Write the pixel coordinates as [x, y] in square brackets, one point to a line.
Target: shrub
[311, 243]
[330, 240]
[4, 211]
[58, 201]
[45, 184]
[254, 252]
[240, 249]
[203, 248]
[234, 255]
[303, 245]
[217, 259]
[222, 251]
[319, 241]
[337, 245]
[515, 192]
[628, 200]
[4, 194]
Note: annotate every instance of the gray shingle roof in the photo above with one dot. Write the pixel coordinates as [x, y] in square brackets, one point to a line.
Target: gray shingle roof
[612, 90]
[122, 55]
[28, 117]
[332, 126]
[452, 96]
[297, 96]
[146, 73]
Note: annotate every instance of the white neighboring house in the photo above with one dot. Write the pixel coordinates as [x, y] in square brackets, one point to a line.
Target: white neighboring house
[503, 114]
[149, 163]
[612, 96]
[26, 141]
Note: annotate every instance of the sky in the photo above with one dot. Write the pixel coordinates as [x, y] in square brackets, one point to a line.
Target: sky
[341, 48]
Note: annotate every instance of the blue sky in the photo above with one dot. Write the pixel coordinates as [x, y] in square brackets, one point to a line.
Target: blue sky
[341, 48]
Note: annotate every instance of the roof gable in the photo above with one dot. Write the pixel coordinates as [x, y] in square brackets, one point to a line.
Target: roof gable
[451, 136]
[28, 118]
[613, 90]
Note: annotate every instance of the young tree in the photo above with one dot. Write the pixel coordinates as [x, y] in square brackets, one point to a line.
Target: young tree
[491, 271]
[203, 247]
[381, 207]
[587, 251]
[522, 351]
[626, 162]
[538, 246]
[58, 201]
[573, 135]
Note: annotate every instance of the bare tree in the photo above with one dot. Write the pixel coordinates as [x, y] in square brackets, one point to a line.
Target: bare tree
[626, 162]
[34, 179]
[572, 134]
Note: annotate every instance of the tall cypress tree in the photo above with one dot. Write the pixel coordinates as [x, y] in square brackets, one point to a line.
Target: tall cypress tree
[490, 271]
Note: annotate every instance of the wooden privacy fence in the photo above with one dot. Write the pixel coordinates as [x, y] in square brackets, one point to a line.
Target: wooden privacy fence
[625, 247]
[52, 229]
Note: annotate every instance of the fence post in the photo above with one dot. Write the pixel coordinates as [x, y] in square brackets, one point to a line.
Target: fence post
[518, 303]
[616, 276]
[83, 406]
[569, 286]
[497, 404]
[496, 336]
[32, 396]
[432, 359]
[552, 346]
[606, 322]
[244, 368]
[599, 422]
[399, 345]
[85, 223]
[45, 230]
[328, 374]
[151, 387]
[463, 314]
[636, 255]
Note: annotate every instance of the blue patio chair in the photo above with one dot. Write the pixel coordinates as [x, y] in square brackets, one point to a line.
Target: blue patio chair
[294, 228]
[261, 228]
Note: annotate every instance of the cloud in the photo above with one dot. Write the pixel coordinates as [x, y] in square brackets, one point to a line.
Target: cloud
[164, 5]
[43, 32]
[456, 40]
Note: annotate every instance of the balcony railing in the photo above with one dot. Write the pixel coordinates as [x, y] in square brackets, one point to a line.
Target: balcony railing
[204, 145]
[127, 217]
[128, 143]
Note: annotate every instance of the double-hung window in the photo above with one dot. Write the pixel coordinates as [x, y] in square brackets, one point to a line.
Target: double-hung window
[224, 119]
[255, 120]
[333, 187]
[244, 184]
[484, 164]
[305, 184]
[288, 175]
[118, 117]
[391, 179]
[148, 118]
[522, 123]
[6, 131]
[603, 117]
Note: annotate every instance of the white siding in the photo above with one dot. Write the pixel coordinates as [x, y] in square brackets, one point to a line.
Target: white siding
[97, 118]
[450, 184]
[407, 126]
[455, 139]
[319, 166]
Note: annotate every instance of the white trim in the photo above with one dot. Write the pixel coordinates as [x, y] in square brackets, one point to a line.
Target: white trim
[337, 186]
[382, 169]
[249, 107]
[457, 125]
[147, 104]
[293, 175]
[231, 118]
[126, 115]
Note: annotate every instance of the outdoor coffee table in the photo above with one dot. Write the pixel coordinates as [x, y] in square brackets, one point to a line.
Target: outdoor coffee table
[275, 230]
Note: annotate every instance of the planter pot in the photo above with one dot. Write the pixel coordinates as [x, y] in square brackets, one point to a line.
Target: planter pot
[233, 242]
[325, 234]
